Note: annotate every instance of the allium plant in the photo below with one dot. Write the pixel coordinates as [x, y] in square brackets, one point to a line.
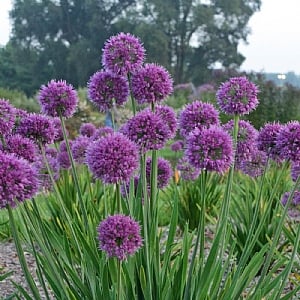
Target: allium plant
[151, 84]
[58, 98]
[123, 54]
[119, 236]
[7, 117]
[87, 129]
[79, 147]
[197, 115]
[237, 96]
[106, 89]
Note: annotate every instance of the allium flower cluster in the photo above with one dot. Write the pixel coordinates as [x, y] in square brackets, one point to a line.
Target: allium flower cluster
[246, 139]
[58, 98]
[113, 158]
[21, 146]
[197, 115]
[63, 155]
[147, 130]
[293, 210]
[295, 170]
[119, 236]
[288, 141]
[267, 137]
[255, 165]
[102, 132]
[151, 84]
[123, 54]
[177, 146]
[37, 127]
[168, 116]
[79, 146]
[210, 149]
[164, 172]
[237, 96]
[87, 129]
[59, 136]
[18, 180]
[7, 117]
[186, 170]
[106, 88]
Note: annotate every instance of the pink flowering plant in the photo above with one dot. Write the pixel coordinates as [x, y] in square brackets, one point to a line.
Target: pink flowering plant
[89, 208]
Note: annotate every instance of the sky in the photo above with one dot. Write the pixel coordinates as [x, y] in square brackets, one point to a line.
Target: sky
[273, 44]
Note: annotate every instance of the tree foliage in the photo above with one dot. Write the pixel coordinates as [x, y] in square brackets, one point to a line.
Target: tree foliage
[63, 38]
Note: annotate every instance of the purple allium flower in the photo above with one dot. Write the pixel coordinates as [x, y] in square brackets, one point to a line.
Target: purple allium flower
[102, 132]
[106, 88]
[246, 139]
[177, 146]
[186, 170]
[237, 96]
[147, 130]
[267, 137]
[295, 170]
[123, 54]
[168, 115]
[197, 115]
[87, 129]
[7, 117]
[205, 88]
[288, 141]
[255, 165]
[164, 172]
[113, 158]
[21, 146]
[59, 136]
[18, 180]
[37, 127]
[151, 84]
[63, 155]
[126, 186]
[210, 149]
[58, 98]
[293, 210]
[79, 146]
[119, 236]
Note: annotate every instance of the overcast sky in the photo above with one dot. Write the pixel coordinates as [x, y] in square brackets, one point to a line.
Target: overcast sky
[273, 45]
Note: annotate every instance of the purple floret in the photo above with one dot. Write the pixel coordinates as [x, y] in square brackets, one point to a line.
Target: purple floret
[237, 96]
[87, 129]
[7, 117]
[79, 146]
[119, 236]
[58, 98]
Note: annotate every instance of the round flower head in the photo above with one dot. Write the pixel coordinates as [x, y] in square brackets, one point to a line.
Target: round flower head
[59, 136]
[186, 170]
[102, 132]
[106, 88]
[63, 155]
[246, 139]
[237, 96]
[210, 149]
[288, 141]
[79, 146]
[119, 236]
[164, 172]
[151, 84]
[123, 54]
[147, 130]
[37, 127]
[87, 129]
[293, 210]
[197, 115]
[113, 158]
[18, 180]
[295, 170]
[21, 146]
[177, 146]
[167, 114]
[7, 117]
[58, 98]
[266, 139]
[255, 165]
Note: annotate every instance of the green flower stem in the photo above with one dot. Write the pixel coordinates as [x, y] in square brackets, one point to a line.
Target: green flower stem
[153, 181]
[74, 173]
[118, 198]
[119, 282]
[200, 237]
[21, 255]
[131, 95]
